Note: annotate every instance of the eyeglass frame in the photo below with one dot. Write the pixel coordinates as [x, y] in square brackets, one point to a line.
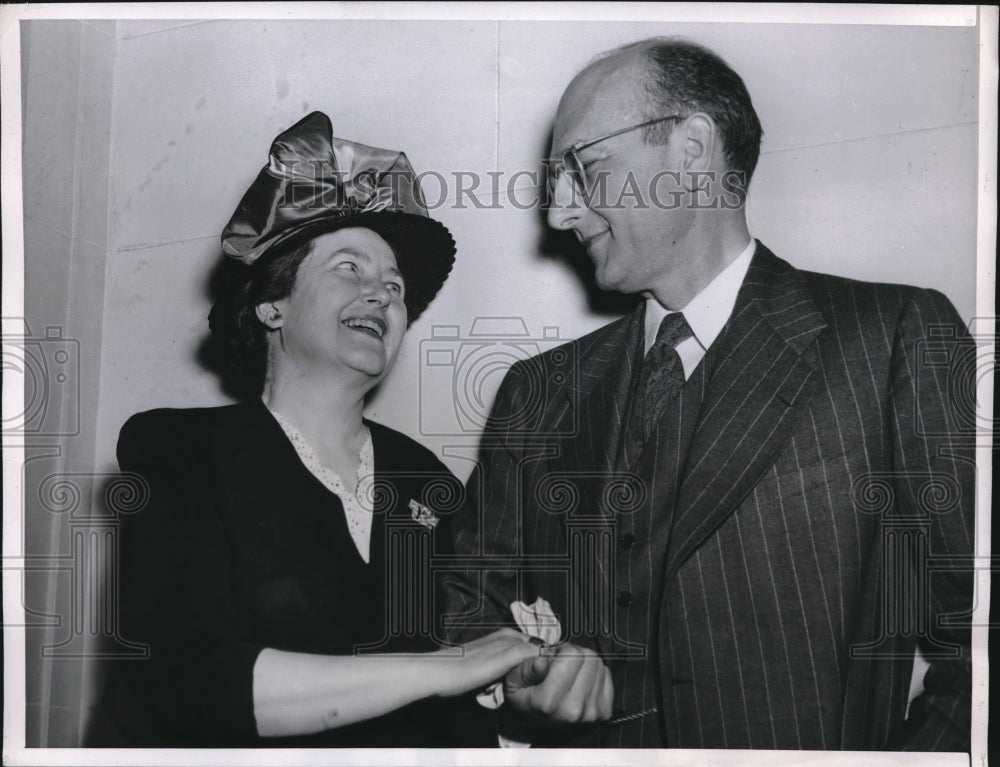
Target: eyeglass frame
[556, 166]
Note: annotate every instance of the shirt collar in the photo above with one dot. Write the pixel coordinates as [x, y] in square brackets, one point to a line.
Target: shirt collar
[708, 312]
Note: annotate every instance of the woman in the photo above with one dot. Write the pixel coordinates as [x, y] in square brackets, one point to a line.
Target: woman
[284, 549]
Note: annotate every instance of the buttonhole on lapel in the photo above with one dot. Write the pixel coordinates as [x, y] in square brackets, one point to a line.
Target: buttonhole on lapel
[790, 397]
[794, 390]
[780, 396]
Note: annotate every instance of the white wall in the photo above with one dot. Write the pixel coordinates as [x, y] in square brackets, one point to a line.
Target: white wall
[68, 66]
[868, 170]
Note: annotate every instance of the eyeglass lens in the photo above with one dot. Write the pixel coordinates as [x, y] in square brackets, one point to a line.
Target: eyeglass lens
[569, 164]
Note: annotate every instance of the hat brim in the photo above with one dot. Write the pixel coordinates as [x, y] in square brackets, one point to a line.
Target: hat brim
[424, 249]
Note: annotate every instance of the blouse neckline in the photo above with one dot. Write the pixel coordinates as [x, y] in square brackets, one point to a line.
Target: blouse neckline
[358, 502]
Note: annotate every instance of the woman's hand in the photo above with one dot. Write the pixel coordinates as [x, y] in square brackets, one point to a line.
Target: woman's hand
[299, 693]
[474, 665]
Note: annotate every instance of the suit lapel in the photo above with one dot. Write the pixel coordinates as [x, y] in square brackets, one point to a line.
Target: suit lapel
[599, 397]
[596, 376]
[763, 377]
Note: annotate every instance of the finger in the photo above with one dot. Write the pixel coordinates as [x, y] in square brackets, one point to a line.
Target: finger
[507, 634]
[491, 657]
[536, 672]
[566, 664]
[575, 703]
[546, 694]
[528, 673]
[607, 695]
[506, 652]
[509, 648]
[560, 697]
[519, 652]
[596, 708]
[592, 704]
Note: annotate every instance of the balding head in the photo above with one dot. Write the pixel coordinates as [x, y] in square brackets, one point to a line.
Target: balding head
[675, 76]
[608, 94]
[652, 147]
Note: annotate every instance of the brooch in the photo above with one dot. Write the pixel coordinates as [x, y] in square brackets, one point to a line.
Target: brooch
[423, 515]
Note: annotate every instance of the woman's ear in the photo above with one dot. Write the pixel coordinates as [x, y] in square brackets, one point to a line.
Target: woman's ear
[269, 313]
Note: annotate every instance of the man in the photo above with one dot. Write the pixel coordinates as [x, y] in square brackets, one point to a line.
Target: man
[738, 498]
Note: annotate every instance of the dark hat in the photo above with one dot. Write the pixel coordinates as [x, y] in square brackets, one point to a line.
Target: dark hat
[315, 183]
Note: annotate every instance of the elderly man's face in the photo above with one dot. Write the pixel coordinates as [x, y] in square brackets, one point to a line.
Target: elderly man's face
[632, 228]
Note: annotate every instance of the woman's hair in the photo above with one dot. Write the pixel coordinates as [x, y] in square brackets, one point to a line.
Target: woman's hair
[238, 337]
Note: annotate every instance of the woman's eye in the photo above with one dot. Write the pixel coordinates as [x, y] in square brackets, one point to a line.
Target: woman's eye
[347, 266]
[395, 287]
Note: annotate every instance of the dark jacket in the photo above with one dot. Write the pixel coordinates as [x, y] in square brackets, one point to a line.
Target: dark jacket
[814, 528]
[239, 548]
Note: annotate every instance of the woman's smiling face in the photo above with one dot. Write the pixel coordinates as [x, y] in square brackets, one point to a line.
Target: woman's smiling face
[346, 311]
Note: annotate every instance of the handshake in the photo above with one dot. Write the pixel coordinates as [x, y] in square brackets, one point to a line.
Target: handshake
[564, 684]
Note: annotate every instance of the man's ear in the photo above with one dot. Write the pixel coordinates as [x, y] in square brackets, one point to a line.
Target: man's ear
[699, 143]
[269, 313]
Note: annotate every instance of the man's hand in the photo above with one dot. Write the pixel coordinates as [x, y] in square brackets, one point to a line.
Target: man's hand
[573, 686]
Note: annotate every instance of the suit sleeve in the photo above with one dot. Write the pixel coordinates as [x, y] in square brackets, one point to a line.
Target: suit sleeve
[196, 686]
[933, 374]
[454, 721]
[478, 599]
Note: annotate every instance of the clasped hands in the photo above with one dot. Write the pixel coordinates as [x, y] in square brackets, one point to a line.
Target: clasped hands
[553, 683]
[569, 685]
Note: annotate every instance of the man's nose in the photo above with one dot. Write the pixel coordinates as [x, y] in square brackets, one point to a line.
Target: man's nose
[565, 204]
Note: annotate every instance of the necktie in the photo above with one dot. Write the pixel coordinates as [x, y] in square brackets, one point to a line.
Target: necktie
[661, 377]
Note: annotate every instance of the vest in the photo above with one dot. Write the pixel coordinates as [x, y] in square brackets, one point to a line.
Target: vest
[643, 536]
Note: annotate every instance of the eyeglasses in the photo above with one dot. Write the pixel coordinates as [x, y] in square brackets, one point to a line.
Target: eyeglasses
[569, 161]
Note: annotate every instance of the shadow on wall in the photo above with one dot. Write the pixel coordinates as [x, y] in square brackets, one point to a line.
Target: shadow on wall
[564, 246]
[85, 636]
[216, 350]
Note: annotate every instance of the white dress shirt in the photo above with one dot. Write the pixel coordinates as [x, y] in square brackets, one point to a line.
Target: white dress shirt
[706, 313]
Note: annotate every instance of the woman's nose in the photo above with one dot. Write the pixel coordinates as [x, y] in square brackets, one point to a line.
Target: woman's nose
[377, 293]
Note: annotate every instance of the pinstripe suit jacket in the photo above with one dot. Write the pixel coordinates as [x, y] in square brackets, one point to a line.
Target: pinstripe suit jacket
[820, 521]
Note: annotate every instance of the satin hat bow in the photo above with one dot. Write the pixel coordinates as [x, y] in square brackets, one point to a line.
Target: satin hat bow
[314, 183]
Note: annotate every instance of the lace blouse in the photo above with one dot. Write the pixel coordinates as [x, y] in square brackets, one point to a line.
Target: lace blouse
[358, 504]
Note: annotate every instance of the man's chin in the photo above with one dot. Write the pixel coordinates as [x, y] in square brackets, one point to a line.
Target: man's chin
[613, 283]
